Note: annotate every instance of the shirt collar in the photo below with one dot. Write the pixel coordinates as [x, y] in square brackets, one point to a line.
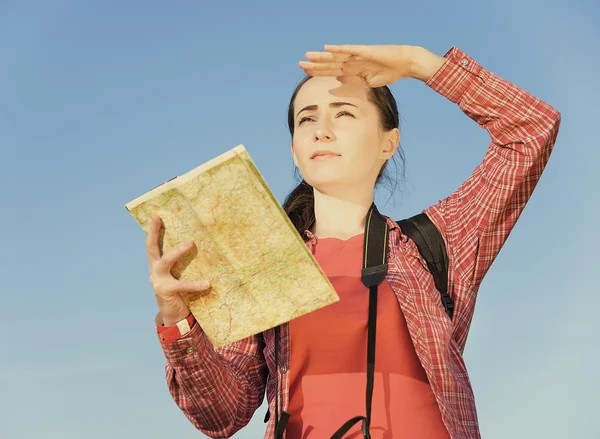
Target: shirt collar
[308, 235]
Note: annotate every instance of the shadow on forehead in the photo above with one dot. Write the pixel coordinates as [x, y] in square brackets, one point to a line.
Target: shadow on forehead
[356, 89]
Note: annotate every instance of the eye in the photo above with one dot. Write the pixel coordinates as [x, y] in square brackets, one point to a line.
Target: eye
[304, 119]
[344, 113]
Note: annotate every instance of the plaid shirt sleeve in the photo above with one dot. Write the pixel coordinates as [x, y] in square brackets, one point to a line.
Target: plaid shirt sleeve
[217, 390]
[478, 217]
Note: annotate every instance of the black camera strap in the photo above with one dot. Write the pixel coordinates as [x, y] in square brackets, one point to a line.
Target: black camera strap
[375, 267]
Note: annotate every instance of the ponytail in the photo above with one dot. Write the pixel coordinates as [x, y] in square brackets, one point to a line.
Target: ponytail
[300, 207]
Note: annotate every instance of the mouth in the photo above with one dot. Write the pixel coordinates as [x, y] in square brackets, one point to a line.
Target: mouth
[324, 155]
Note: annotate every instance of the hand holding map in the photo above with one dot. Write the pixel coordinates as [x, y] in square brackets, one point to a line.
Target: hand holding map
[166, 288]
[260, 270]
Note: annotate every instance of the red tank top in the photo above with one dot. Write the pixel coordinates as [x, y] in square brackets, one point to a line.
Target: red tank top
[329, 355]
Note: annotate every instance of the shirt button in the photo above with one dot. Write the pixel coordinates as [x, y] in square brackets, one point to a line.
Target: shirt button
[464, 61]
[284, 368]
[190, 350]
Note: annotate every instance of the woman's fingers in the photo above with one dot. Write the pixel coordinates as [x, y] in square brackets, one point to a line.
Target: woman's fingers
[349, 68]
[319, 65]
[325, 69]
[152, 246]
[169, 258]
[348, 49]
[327, 72]
[327, 57]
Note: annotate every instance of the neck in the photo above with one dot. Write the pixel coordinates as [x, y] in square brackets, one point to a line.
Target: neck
[341, 216]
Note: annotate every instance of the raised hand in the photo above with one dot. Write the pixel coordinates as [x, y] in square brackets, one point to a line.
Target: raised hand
[375, 66]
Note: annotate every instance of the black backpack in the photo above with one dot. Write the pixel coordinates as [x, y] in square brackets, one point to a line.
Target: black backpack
[431, 245]
[432, 248]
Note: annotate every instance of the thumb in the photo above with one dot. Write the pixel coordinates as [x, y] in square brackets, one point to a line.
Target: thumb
[190, 286]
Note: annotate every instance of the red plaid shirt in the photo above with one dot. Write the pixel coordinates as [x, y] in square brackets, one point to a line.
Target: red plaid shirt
[219, 391]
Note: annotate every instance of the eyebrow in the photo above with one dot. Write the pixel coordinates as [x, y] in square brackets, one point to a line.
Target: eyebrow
[331, 105]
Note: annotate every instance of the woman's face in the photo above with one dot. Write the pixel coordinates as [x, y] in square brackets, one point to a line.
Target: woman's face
[339, 118]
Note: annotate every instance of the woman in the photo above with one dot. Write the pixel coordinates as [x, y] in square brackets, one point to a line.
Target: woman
[344, 127]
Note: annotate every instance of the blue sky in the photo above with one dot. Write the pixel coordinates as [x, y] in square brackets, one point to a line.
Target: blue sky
[101, 101]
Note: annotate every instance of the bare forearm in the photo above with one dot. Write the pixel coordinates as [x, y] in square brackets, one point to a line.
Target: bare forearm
[424, 63]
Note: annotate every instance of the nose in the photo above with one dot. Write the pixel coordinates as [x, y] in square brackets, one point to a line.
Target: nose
[323, 132]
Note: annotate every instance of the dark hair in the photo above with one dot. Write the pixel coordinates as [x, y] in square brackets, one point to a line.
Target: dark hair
[299, 203]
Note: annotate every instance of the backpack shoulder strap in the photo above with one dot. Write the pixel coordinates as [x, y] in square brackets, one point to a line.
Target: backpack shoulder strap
[431, 245]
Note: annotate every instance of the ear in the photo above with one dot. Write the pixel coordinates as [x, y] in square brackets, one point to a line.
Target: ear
[391, 142]
[293, 153]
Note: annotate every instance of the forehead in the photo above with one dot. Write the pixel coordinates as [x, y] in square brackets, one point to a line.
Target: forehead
[322, 90]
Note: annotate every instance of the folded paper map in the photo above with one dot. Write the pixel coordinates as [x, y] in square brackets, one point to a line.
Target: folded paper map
[260, 270]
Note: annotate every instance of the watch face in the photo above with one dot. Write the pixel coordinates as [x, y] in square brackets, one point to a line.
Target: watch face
[184, 326]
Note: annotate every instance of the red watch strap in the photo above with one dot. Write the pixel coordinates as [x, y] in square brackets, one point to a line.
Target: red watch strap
[169, 334]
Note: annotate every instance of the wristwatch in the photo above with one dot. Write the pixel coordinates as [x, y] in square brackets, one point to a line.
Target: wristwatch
[169, 334]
